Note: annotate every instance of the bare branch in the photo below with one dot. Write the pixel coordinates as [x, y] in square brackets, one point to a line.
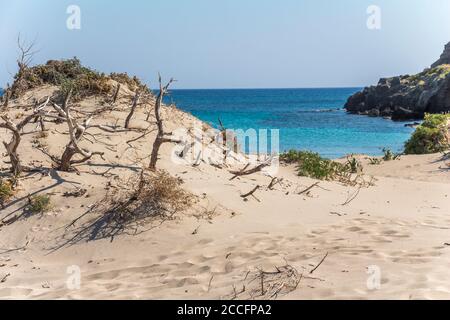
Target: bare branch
[160, 137]
[133, 109]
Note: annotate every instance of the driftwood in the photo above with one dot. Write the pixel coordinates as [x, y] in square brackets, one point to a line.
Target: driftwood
[251, 193]
[133, 109]
[274, 182]
[320, 263]
[309, 188]
[224, 134]
[267, 285]
[245, 172]
[161, 135]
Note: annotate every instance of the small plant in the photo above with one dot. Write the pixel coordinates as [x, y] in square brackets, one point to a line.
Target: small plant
[6, 192]
[389, 155]
[354, 165]
[310, 164]
[375, 161]
[431, 136]
[39, 140]
[39, 204]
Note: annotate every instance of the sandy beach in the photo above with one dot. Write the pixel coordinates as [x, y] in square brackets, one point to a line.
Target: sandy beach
[388, 240]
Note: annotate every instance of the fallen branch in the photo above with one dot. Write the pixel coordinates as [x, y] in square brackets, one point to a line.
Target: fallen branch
[244, 172]
[320, 263]
[309, 188]
[251, 192]
[274, 182]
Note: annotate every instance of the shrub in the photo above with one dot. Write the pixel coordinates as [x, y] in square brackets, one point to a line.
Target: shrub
[66, 74]
[141, 201]
[6, 191]
[430, 137]
[374, 161]
[39, 204]
[389, 155]
[71, 75]
[133, 83]
[354, 165]
[310, 164]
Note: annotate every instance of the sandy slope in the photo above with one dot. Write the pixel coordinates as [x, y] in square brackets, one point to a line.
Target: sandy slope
[401, 225]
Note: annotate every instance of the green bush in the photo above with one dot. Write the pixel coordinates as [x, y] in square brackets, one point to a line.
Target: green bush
[354, 165]
[39, 204]
[310, 164]
[430, 136]
[66, 74]
[71, 74]
[6, 191]
[389, 155]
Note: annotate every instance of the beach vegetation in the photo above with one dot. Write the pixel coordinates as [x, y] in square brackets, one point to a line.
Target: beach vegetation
[389, 155]
[39, 204]
[71, 75]
[311, 164]
[375, 161]
[154, 197]
[6, 191]
[354, 165]
[431, 136]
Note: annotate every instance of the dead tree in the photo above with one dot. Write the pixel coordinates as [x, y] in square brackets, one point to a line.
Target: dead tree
[40, 117]
[76, 133]
[133, 109]
[161, 137]
[11, 148]
[26, 54]
[116, 94]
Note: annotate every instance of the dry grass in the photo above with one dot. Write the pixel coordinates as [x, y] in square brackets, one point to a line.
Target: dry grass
[133, 209]
[267, 285]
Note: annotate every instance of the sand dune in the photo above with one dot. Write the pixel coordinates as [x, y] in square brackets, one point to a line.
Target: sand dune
[400, 227]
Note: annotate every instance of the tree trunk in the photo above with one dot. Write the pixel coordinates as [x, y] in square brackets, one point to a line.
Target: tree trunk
[116, 94]
[133, 109]
[155, 151]
[66, 158]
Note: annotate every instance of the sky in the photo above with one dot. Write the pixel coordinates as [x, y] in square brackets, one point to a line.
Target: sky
[233, 43]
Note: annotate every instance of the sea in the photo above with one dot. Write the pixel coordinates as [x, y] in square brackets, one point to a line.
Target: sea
[307, 119]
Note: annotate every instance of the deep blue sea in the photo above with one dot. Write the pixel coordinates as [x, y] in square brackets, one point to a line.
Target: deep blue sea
[308, 119]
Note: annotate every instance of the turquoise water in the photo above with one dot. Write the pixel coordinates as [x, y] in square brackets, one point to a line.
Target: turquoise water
[308, 119]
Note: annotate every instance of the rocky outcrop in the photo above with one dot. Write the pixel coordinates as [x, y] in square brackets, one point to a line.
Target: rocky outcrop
[407, 97]
[445, 57]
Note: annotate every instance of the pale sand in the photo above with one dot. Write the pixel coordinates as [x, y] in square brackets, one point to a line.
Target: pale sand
[401, 225]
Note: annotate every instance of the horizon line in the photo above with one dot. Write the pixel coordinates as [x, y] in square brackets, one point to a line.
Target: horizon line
[261, 88]
[268, 88]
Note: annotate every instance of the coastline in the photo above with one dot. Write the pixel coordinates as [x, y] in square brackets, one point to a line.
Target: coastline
[398, 224]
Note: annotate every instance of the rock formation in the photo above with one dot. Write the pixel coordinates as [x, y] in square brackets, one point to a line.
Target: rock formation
[407, 97]
[445, 57]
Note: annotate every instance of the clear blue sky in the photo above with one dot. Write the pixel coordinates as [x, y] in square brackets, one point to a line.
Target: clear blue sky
[233, 43]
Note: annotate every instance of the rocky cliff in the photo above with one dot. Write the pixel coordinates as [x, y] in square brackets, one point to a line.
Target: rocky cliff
[407, 97]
